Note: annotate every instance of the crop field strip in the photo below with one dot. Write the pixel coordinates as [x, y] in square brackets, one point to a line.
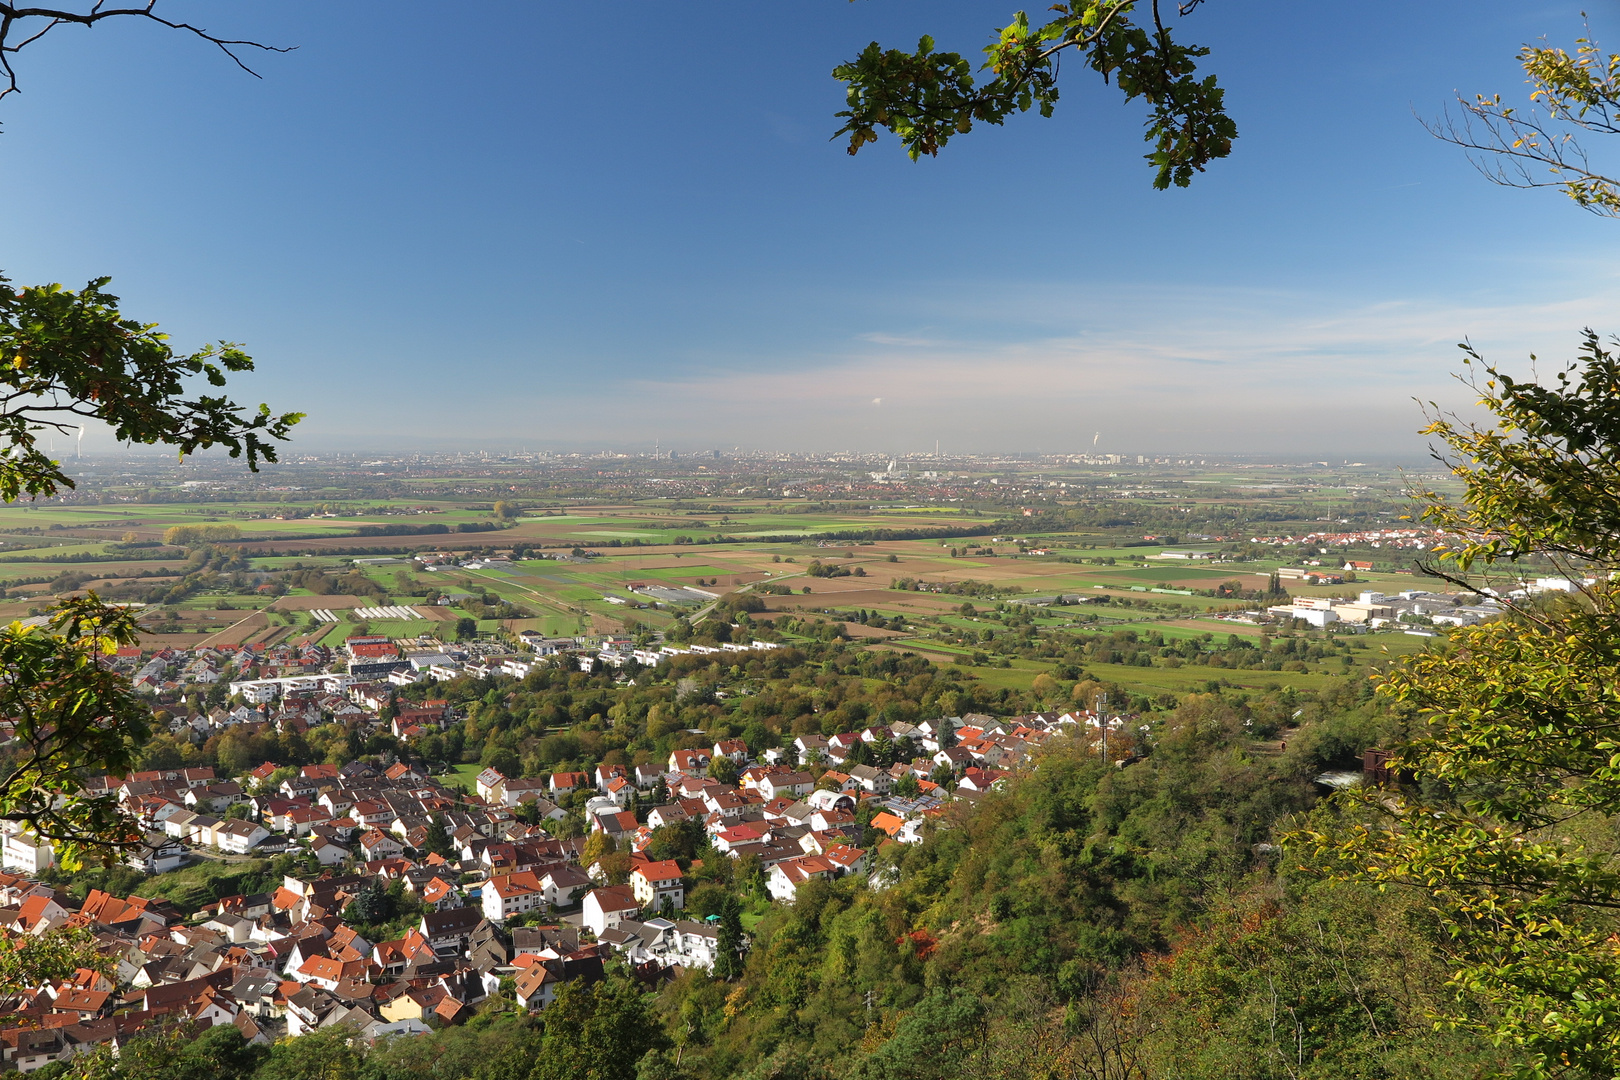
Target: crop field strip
[566, 597]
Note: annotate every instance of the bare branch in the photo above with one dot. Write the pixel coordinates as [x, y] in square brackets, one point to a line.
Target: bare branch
[13, 18]
[1505, 147]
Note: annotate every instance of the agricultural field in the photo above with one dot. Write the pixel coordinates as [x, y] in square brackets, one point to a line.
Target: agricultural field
[613, 546]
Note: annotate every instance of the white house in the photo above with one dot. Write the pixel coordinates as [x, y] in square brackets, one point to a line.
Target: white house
[695, 945]
[25, 852]
[535, 986]
[785, 785]
[606, 908]
[240, 837]
[158, 855]
[735, 749]
[654, 882]
[512, 894]
[786, 876]
[376, 844]
[871, 779]
[562, 883]
[328, 852]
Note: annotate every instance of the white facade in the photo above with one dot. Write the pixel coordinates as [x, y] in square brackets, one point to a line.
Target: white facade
[259, 691]
[504, 899]
[655, 883]
[604, 910]
[240, 837]
[26, 853]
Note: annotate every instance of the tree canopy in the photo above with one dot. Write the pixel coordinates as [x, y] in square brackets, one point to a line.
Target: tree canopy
[1506, 817]
[70, 715]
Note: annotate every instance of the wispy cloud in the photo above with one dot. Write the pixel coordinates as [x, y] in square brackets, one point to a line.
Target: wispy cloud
[903, 341]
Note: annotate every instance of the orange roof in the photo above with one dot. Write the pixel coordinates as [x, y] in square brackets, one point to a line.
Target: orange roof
[32, 910]
[373, 650]
[888, 823]
[844, 855]
[325, 967]
[437, 889]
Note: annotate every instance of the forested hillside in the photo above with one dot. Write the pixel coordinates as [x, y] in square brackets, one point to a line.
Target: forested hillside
[1137, 919]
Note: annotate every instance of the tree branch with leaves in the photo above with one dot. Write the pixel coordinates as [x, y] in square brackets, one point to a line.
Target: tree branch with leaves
[1508, 824]
[70, 356]
[926, 97]
[70, 716]
[1572, 94]
[67, 357]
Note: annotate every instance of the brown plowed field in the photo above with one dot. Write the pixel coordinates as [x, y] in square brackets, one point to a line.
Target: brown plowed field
[860, 630]
[891, 599]
[1250, 581]
[172, 641]
[242, 632]
[314, 603]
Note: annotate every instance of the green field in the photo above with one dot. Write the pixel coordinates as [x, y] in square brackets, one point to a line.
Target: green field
[1181, 572]
[564, 598]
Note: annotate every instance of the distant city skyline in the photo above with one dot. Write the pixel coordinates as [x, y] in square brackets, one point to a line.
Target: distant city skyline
[534, 252]
[219, 467]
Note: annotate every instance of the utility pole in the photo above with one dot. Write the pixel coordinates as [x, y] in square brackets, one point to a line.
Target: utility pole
[1102, 722]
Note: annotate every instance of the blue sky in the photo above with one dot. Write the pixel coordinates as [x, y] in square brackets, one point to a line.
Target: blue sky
[543, 225]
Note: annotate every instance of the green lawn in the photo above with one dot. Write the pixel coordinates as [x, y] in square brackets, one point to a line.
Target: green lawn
[404, 628]
[1175, 571]
[193, 886]
[466, 773]
[621, 573]
[1171, 633]
[333, 634]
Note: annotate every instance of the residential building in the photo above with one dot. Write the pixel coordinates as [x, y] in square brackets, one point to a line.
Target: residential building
[654, 883]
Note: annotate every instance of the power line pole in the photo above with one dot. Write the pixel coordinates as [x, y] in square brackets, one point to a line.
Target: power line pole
[1102, 722]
